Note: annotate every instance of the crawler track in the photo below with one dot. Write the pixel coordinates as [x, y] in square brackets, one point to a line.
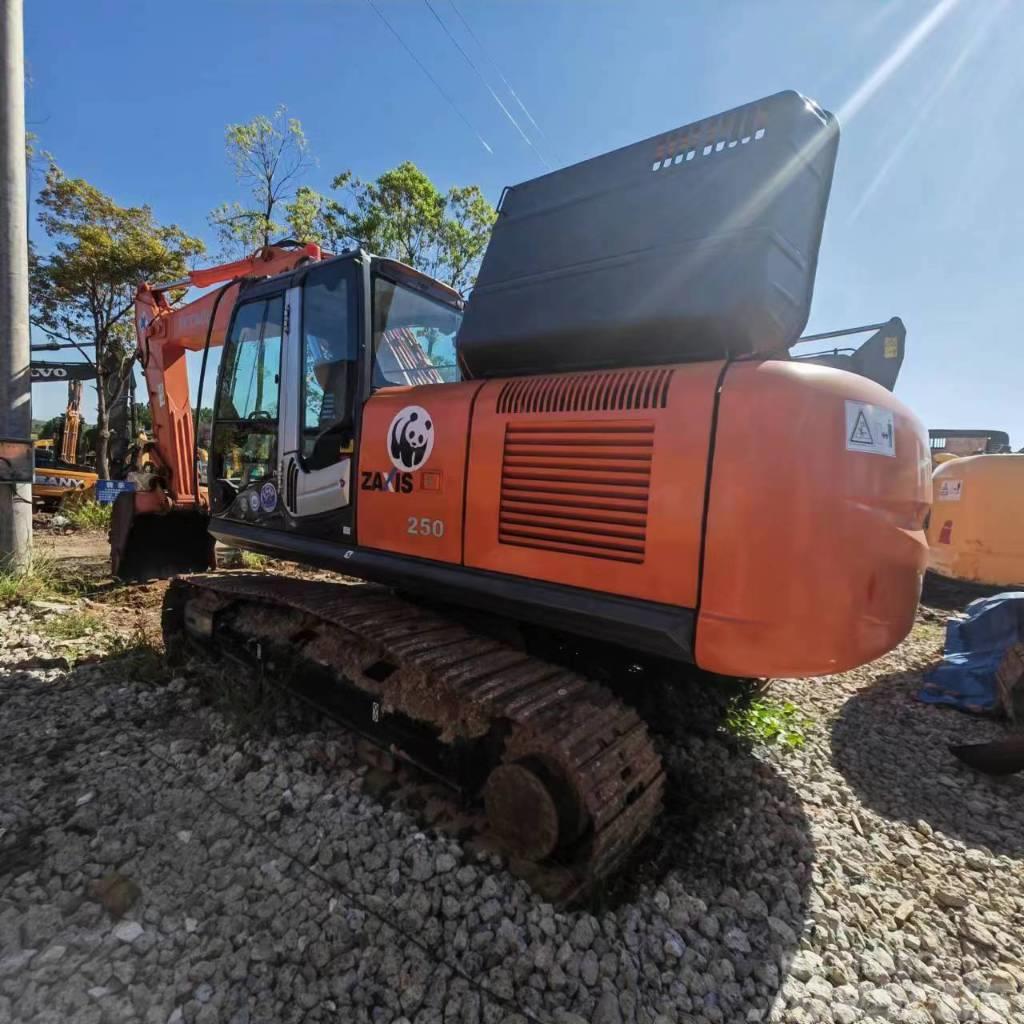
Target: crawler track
[567, 773]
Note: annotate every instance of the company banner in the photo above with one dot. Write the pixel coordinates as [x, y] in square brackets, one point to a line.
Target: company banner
[43, 372]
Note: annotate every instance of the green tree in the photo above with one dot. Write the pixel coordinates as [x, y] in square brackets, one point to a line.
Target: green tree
[144, 417]
[269, 156]
[204, 428]
[83, 290]
[402, 215]
[50, 427]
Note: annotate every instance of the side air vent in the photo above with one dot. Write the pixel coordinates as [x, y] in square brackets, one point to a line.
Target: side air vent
[586, 392]
[291, 487]
[579, 488]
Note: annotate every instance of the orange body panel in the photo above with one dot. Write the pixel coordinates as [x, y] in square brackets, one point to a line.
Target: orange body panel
[814, 548]
[414, 507]
[591, 481]
[814, 553]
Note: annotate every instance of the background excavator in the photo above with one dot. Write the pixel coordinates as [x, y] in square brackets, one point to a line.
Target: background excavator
[976, 530]
[606, 465]
[58, 473]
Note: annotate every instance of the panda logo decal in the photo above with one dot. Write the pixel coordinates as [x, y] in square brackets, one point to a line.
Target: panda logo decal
[411, 438]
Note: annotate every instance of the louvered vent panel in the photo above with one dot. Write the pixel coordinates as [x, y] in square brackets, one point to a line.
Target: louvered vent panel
[580, 488]
[586, 392]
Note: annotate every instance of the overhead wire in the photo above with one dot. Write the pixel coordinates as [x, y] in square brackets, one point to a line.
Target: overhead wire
[497, 99]
[490, 60]
[437, 85]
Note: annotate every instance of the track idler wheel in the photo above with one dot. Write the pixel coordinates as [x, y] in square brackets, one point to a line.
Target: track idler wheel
[532, 809]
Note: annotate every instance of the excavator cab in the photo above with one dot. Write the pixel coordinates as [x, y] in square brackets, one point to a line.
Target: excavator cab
[304, 351]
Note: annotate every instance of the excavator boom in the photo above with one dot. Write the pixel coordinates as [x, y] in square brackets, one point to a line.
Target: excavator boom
[165, 333]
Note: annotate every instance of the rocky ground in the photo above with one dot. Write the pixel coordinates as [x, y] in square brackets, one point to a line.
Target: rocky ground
[165, 858]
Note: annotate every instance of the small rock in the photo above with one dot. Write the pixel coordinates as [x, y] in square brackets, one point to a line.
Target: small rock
[782, 930]
[49, 956]
[950, 898]
[115, 892]
[971, 928]
[877, 1002]
[977, 860]
[806, 965]
[903, 911]
[128, 931]
[607, 1010]
[819, 988]
[736, 940]
[583, 934]
[1002, 981]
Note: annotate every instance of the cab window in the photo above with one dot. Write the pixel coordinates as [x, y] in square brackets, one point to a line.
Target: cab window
[329, 353]
[413, 337]
[245, 431]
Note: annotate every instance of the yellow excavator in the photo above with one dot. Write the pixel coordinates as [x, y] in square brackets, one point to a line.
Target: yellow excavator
[58, 473]
[976, 529]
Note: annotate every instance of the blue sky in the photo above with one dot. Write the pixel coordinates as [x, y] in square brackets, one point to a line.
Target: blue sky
[925, 221]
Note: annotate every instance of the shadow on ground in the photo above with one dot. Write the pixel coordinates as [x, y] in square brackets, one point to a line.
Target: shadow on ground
[894, 752]
[731, 826]
[954, 595]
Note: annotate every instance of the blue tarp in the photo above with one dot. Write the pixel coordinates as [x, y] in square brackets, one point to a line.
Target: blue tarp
[975, 645]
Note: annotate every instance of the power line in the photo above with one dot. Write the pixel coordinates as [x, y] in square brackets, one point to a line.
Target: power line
[497, 70]
[437, 85]
[497, 99]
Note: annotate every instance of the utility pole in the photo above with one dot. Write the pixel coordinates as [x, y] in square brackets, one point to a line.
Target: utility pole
[15, 375]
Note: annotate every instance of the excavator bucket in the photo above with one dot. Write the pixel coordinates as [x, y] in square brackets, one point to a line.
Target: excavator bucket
[155, 545]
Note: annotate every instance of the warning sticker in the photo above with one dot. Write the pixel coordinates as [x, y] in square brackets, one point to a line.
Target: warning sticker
[950, 490]
[892, 348]
[870, 429]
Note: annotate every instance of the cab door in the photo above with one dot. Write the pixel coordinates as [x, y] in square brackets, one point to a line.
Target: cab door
[322, 400]
[244, 452]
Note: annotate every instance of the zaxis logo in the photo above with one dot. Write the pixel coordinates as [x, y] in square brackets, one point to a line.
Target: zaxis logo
[393, 482]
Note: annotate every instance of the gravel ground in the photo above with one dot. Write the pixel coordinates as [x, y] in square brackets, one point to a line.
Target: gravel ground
[161, 863]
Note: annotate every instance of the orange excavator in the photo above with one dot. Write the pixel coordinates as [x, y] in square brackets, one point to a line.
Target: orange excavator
[606, 464]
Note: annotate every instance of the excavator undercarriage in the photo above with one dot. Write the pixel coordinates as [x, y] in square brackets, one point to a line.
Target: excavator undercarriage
[566, 772]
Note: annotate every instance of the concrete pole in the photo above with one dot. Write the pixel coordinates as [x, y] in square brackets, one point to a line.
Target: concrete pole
[15, 383]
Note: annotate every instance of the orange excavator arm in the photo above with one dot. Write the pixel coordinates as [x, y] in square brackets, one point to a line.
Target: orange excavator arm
[165, 334]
